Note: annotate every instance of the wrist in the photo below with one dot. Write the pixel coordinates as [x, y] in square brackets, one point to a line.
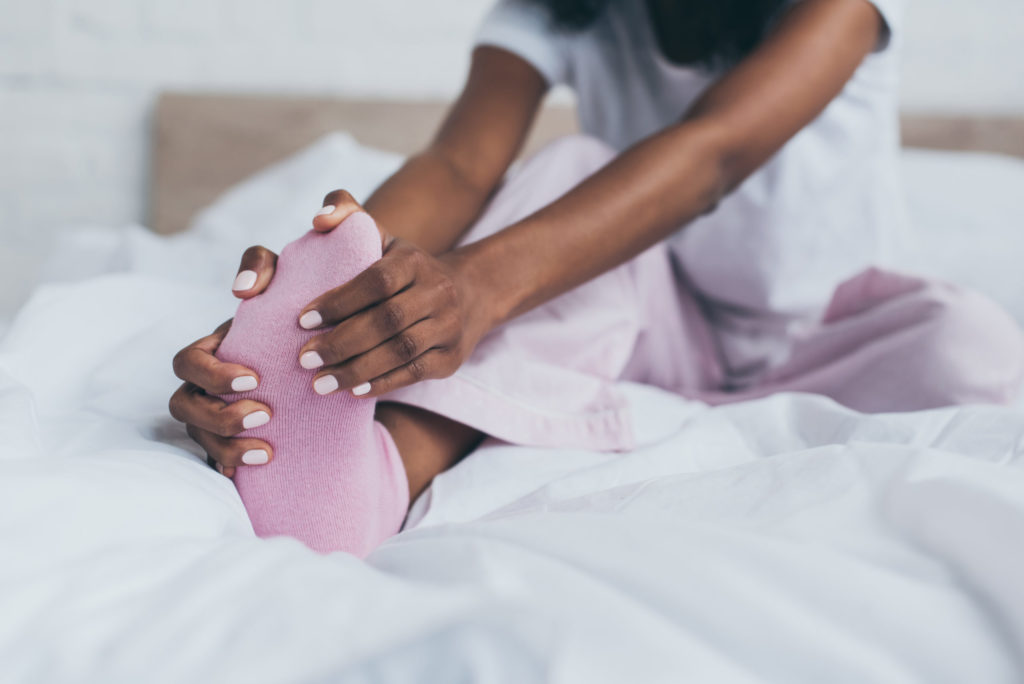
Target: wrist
[487, 282]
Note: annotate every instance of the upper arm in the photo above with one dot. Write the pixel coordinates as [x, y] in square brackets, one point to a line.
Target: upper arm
[485, 129]
[787, 82]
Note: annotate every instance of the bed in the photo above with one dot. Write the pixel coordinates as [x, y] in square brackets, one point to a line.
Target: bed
[782, 540]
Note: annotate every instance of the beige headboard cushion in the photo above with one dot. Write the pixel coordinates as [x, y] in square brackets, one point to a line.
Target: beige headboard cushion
[205, 143]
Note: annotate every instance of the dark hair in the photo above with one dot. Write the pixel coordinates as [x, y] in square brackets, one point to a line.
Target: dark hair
[722, 31]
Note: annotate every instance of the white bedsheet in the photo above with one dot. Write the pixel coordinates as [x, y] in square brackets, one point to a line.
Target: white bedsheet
[784, 540]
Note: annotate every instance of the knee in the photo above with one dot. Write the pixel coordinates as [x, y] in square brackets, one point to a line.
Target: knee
[971, 350]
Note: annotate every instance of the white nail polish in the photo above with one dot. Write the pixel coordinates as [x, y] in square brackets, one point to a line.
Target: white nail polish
[310, 320]
[255, 457]
[244, 281]
[255, 419]
[329, 209]
[244, 383]
[310, 360]
[360, 390]
[220, 469]
[325, 384]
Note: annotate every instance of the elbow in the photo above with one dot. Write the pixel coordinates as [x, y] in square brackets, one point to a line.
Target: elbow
[718, 162]
[462, 177]
[725, 154]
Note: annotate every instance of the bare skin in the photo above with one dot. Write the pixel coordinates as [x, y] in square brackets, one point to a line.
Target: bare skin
[420, 311]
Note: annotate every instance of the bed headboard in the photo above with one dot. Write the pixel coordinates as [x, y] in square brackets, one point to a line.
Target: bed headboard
[205, 143]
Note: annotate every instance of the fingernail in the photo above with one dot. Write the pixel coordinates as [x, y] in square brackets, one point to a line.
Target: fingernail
[255, 457]
[255, 419]
[310, 320]
[360, 390]
[244, 383]
[329, 209]
[244, 281]
[325, 384]
[310, 360]
[220, 469]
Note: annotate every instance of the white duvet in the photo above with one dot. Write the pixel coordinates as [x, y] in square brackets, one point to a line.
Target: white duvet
[783, 540]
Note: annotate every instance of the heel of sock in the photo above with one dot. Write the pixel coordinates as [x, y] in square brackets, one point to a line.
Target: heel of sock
[399, 478]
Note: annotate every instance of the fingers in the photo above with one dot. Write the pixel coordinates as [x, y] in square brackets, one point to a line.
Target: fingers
[434, 363]
[338, 206]
[197, 364]
[367, 329]
[405, 349]
[254, 273]
[211, 421]
[190, 405]
[231, 452]
[381, 280]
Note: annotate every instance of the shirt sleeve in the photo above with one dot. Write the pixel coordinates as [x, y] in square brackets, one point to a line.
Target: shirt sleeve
[524, 28]
[892, 12]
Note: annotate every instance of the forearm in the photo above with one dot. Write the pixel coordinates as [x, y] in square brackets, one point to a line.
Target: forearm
[635, 201]
[427, 202]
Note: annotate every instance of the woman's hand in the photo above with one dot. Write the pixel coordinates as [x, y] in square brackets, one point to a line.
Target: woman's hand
[211, 421]
[408, 317]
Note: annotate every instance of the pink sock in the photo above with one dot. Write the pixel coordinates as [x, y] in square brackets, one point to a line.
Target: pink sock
[336, 481]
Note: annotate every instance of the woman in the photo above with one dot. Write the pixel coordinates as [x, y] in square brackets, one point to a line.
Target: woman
[718, 234]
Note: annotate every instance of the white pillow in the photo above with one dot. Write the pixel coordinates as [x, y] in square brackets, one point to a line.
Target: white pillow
[276, 205]
[272, 208]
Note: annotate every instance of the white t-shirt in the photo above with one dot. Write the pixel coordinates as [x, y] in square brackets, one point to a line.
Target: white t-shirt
[824, 208]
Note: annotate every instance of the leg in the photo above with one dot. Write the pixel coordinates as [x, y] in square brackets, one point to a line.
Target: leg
[338, 479]
[335, 480]
[890, 342]
[548, 378]
[428, 443]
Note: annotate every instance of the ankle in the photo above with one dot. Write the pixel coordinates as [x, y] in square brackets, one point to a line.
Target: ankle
[427, 443]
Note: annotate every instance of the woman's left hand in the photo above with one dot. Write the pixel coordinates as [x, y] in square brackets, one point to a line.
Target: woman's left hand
[408, 317]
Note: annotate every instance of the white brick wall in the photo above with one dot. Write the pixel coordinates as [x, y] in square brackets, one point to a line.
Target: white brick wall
[78, 77]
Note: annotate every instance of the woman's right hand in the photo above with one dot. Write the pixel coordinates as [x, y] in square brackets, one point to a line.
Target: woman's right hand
[209, 420]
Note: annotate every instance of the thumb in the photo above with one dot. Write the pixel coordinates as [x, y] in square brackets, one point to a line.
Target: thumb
[254, 273]
[338, 206]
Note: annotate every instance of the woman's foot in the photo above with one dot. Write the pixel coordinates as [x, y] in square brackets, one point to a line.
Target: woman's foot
[336, 481]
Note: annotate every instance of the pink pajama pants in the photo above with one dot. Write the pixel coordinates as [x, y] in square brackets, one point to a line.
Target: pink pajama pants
[886, 342]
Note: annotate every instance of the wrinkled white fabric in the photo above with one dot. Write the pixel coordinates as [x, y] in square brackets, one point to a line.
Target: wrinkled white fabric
[784, 540]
